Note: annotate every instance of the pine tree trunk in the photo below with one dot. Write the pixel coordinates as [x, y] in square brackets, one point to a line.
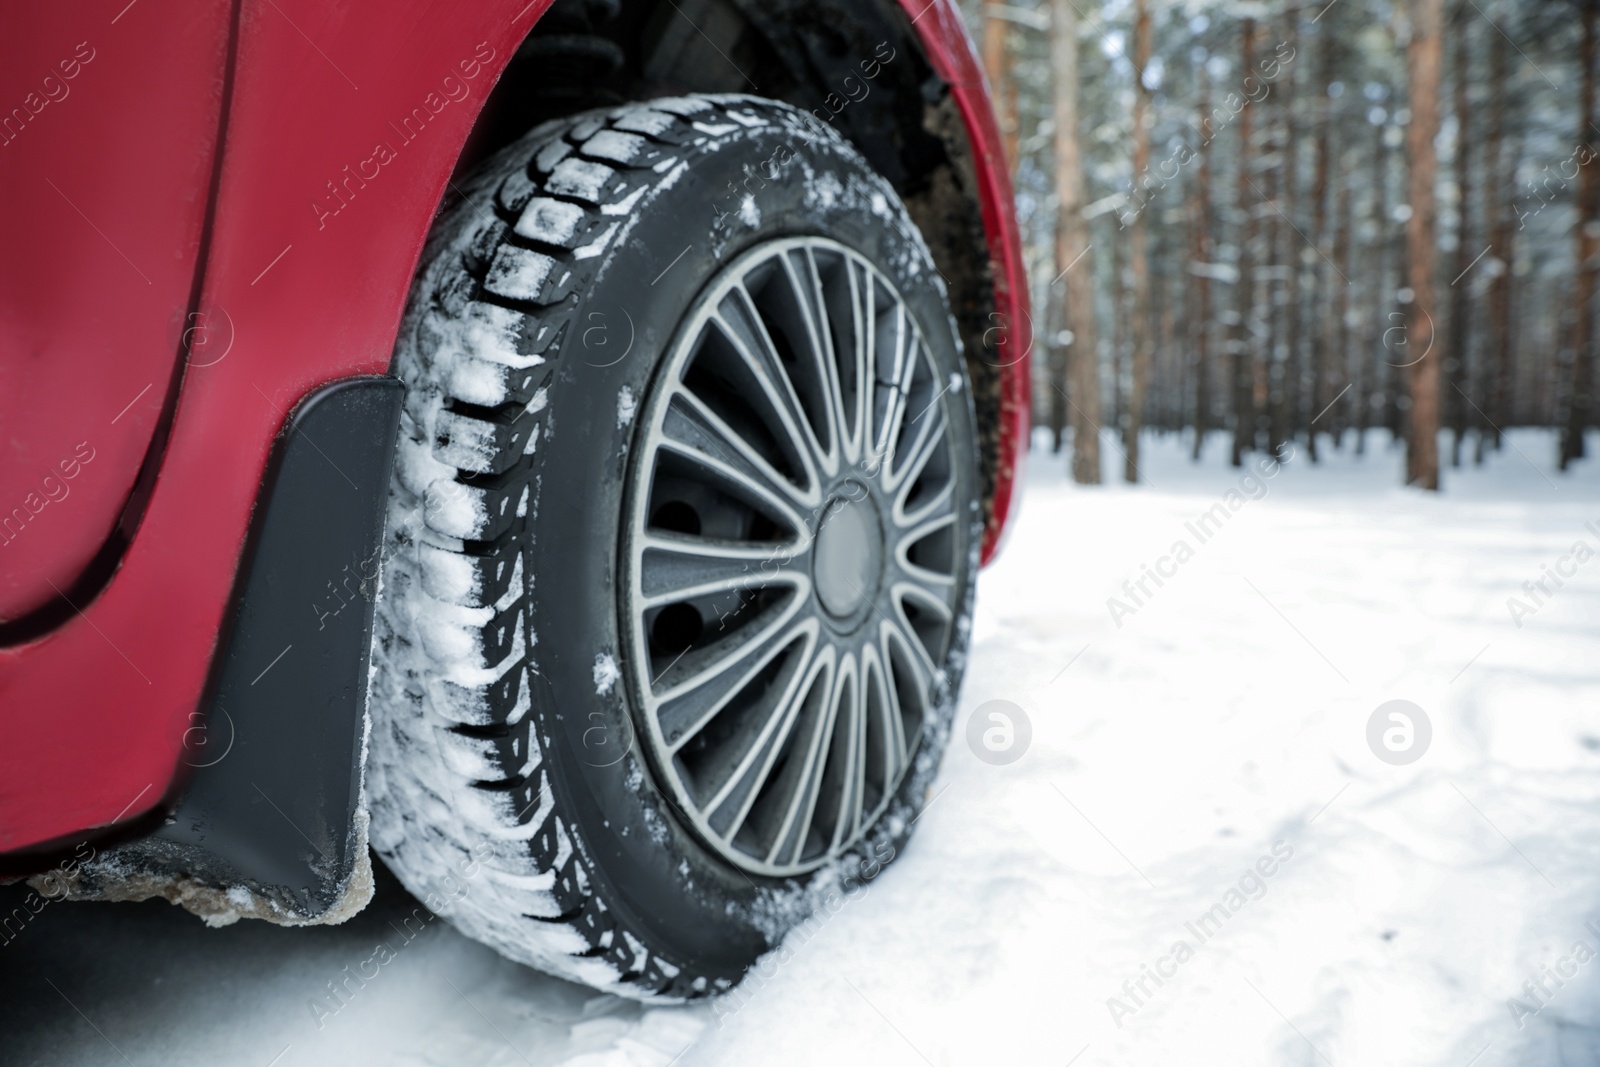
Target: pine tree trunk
[1373, 368]
[1501, 165]
[1586, 248]
[1072, 242]
[1423, 325]
[1175, 375]
[1267, 368]
[1200, 252]
[1322, 331]
[1290, 414]
[1270, 368]
[1458, 381]
[1344, 225]
[1059, 370]
[1393, 375]
[1143, 355]
[1240, 348]
[997, 67]
[1119, 323]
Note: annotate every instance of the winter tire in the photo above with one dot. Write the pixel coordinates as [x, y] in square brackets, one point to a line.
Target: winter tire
[681, 548]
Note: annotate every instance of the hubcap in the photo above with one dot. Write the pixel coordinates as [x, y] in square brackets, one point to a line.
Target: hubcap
[847, 555]
[792, 555]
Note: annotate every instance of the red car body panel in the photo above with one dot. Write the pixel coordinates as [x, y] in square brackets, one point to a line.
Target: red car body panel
[316, 237]
[106, 148]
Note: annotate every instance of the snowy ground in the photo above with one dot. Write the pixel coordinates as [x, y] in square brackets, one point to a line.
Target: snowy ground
[1202, 754]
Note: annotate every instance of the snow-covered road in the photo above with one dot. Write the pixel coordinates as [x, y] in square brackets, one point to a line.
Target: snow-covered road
[1198, 859]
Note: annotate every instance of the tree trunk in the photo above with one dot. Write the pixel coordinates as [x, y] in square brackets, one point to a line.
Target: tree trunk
[1344, 225]
[1240, 347]
[1143, 354]
[1586, 248]
[1290, 416]
[1322, 332]
[1119, 324]
[1391, 382]
[1373, 369]
[1171, 382]
[1501, 168]
[1200, 252]
[1270, 370]
[997, 67]
[1423, 325]
[1458, 382]
[1060, 373]
[1268, 367]
[1073, 256]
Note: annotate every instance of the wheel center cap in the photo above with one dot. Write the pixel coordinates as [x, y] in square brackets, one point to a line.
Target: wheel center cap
[846, 559]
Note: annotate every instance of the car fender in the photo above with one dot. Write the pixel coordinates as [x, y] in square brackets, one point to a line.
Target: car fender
[329, 183]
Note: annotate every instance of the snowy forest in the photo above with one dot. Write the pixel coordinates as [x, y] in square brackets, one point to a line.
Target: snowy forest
[1259, 222]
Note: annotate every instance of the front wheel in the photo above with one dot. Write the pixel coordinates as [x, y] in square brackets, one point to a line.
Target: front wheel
[682, 544]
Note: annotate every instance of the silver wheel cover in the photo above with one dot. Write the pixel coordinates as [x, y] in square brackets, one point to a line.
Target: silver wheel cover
[791, 555]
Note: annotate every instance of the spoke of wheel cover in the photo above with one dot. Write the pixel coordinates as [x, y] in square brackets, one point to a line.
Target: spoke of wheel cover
[816, 348]
[856, 427]
[928, 436]
[742, 325]
[898, 389]
[838, 809]
[802, 777]
[679, 567]
[824, 331]
[728, 809]
[926, 603]
[891, 723]
[916, 572]
[936, 508]
[697, 434]
[741, 312]
[705, 680]
[872, 770]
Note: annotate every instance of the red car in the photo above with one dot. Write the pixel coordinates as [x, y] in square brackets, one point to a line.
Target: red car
[550, 443]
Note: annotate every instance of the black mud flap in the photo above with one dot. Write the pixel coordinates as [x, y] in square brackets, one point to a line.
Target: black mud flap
[271, 824]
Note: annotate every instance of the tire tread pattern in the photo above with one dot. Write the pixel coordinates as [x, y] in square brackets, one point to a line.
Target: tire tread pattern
[456, 774]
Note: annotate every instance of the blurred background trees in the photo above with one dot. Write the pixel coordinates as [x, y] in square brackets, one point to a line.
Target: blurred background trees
[1343, 225]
